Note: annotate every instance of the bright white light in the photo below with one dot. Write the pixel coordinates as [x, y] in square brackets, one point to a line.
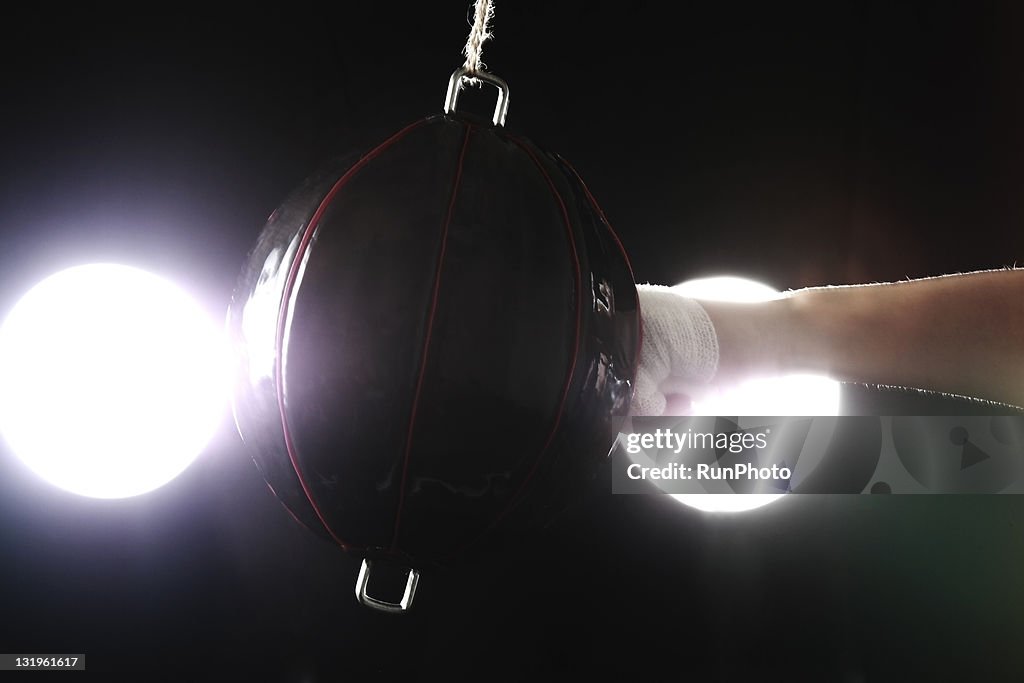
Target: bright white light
[775, 396]
[112, 380]
[728, 288]
[787, 395]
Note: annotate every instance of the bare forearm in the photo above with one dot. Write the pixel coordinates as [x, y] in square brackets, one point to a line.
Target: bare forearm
[959, 334]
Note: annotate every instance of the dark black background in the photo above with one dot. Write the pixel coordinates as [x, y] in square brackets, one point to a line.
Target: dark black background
[800, 145]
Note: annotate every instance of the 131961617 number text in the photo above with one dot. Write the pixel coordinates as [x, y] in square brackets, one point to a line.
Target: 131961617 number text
[19, 662]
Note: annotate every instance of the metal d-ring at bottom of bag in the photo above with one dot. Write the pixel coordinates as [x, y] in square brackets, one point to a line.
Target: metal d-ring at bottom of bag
[399, 607]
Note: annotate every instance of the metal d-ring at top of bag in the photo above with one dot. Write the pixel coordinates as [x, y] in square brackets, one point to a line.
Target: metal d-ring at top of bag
[474, 71]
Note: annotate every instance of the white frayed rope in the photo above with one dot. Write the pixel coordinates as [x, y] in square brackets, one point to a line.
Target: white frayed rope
[483, 12]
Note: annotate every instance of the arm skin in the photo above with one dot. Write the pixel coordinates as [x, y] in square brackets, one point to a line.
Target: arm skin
[955, 334]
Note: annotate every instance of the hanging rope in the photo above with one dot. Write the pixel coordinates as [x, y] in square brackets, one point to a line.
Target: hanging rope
[483, 12]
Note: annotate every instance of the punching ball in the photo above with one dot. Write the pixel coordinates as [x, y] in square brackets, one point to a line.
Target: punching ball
[429, 338]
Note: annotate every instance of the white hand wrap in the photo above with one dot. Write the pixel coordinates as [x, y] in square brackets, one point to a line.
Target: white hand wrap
[680, 348]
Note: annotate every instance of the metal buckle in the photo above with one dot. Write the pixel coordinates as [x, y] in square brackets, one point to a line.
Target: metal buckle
[455, 85]
[391, 607]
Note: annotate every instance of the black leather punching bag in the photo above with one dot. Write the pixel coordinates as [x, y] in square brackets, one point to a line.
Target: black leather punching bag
[429, 337]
